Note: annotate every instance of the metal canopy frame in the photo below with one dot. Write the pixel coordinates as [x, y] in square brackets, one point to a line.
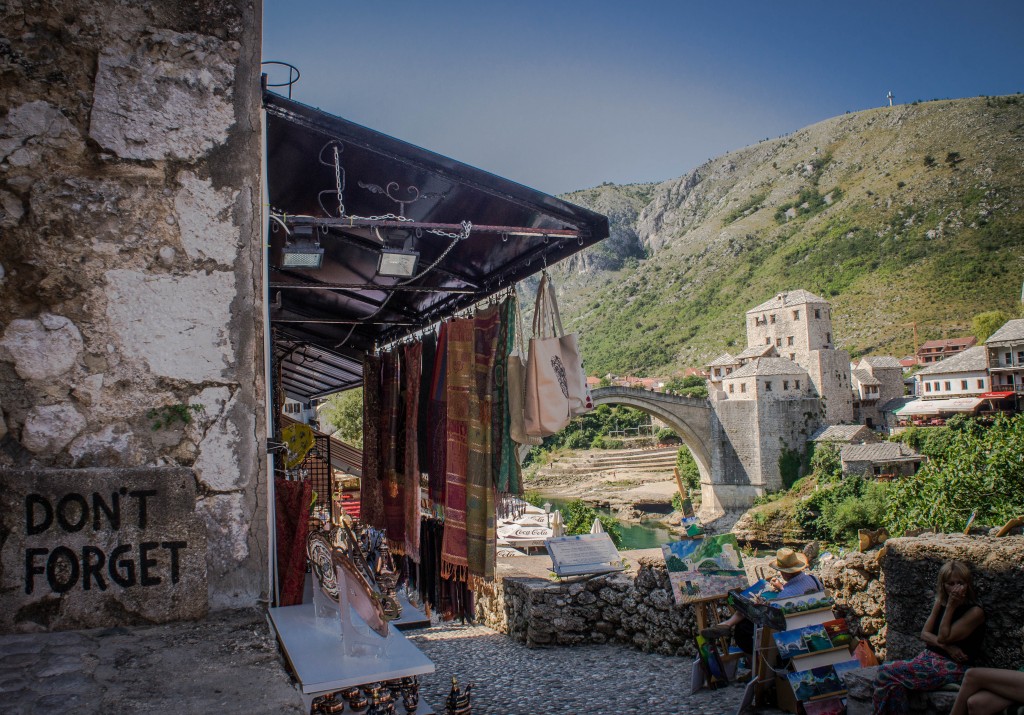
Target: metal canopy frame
[355, 191]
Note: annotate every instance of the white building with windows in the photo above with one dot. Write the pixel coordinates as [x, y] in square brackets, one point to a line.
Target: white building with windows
[965, 374]
[1005, 352]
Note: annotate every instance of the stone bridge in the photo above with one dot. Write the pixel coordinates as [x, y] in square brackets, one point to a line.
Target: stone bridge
[738, 444]
[692, 418]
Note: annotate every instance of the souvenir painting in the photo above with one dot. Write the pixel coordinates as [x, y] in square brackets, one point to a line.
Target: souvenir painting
[845, 667]
[705, 568]
[832, 706]
[789, 643]
[815, 683]
[838, 632]
[804, 604]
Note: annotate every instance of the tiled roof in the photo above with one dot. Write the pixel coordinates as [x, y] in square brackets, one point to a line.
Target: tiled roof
[970, 360]
[878, 452]
[756, 351]
[864, 377]
[724, 359]
[768, 366]
[949, 343]
[844, 433]
[793, 297]
[1012, 330]
[881, 361]
[896, 403]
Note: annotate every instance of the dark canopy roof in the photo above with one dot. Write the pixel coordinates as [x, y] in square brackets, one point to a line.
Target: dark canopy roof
[477, 233]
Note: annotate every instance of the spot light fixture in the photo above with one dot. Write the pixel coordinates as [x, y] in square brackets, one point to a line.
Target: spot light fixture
[397, 262]
[302, 249]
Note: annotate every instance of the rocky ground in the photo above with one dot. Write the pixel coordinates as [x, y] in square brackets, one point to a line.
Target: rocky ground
[635, 483]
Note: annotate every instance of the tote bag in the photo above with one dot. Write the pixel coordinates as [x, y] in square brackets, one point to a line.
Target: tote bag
[517, 388]
[556, 386]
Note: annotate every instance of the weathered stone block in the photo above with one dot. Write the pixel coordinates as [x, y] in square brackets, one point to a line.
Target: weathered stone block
[90, 548]
[41, 349]
[165, 96]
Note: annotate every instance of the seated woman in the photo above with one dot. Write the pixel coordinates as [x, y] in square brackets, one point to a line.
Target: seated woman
[793, 580]
[987, 691]
[953, 637]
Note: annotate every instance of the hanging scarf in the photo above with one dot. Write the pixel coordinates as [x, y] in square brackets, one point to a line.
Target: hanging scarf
[411, 359]
[291, 510]
[460, 379]
[438, 423]
[428, 355]
[392, 441]
[480, 484]
[371, 496]
[510, 482]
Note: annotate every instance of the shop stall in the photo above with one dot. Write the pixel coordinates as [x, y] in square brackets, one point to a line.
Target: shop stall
[393, 269]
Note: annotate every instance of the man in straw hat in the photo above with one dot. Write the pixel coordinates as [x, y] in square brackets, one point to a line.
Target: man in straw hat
[793, 580]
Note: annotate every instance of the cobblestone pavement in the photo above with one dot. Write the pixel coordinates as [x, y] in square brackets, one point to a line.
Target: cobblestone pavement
[229, 664]
[510, 679]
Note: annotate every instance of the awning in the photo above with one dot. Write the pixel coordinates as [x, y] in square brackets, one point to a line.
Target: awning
[997, 395]
[936, 407]
[361, 199]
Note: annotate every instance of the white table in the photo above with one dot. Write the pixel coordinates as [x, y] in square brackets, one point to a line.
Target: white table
[318, 659]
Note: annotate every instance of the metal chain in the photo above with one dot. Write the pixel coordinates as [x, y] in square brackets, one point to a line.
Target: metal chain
[338, 183]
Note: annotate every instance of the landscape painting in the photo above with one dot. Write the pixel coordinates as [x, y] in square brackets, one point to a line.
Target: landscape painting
[803, 604]
[832, 706]
[789, 643]
[704, 569]
[815, 683]
[838, 632]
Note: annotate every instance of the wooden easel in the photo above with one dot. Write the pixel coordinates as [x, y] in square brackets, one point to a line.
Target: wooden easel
[706, 612]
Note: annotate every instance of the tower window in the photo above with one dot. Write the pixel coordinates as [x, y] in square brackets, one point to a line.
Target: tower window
[767, 385]
[796, 315]
[789, 340]
[817, 313]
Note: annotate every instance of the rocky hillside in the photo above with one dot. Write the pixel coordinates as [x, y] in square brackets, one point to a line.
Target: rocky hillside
[896, 215]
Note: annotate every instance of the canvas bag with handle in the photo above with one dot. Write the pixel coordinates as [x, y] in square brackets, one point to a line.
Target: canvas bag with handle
[517, 387]
[556, 386]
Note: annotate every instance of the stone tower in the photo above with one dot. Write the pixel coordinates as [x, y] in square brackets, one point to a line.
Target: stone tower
[798, 324]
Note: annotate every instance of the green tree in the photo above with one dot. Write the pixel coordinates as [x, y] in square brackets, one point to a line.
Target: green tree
[578, 518]
[343, 412]
[982, 471]
[984, 324]
[688, 471]
[689, 386]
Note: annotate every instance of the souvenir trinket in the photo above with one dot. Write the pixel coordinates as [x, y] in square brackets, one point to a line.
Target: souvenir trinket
[458, 702]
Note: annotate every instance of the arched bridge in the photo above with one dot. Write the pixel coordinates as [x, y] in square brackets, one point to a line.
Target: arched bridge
[692, 418]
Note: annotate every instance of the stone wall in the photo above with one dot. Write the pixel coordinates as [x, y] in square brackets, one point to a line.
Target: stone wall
[856, 583]
[910, 568]
[131, 252]
[634, 609]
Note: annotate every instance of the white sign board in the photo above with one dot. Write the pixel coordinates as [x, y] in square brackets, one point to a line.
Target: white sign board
[583, 554]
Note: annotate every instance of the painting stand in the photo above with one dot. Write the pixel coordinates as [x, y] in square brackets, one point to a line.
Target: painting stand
[705, 611]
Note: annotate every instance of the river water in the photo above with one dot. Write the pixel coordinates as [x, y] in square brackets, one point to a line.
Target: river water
[647, 534]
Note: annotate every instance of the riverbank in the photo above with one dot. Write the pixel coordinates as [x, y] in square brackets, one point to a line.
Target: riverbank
[634, 484]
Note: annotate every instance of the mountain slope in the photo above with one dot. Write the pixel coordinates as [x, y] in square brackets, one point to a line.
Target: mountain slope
[897, 215]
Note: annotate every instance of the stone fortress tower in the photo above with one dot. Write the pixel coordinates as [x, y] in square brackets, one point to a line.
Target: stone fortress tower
[798, 325]
[769, 399]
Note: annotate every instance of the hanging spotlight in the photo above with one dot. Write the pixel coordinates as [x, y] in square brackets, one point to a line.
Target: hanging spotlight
[302, 250]
[397, 262]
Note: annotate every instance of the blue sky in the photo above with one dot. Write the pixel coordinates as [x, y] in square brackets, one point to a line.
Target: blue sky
[565, 95]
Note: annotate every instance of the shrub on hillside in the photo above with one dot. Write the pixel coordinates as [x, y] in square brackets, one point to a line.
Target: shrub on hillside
[688, 470]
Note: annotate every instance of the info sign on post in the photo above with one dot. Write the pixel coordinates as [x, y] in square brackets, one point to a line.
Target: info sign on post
[89, 548]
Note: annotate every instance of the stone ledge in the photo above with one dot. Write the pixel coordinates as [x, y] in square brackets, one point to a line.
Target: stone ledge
[860, 684]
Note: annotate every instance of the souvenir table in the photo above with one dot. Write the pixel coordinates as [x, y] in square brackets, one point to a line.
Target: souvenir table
[318, 658]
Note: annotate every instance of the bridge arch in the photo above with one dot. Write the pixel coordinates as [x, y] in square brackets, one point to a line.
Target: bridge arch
[689, 417]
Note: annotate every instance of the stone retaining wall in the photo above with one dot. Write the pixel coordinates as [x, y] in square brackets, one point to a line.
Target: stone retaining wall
[635, 609]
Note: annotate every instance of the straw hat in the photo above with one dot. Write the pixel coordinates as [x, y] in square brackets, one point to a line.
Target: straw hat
[788, 561]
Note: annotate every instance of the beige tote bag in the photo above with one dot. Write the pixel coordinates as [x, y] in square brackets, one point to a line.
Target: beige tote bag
[556, 386]
[517, 387]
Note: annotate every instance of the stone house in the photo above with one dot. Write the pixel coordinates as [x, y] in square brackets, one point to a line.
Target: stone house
[767, 379]
[875, 381]
[845, 434]
[882, 459]
[937, 350]
[719, 368]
